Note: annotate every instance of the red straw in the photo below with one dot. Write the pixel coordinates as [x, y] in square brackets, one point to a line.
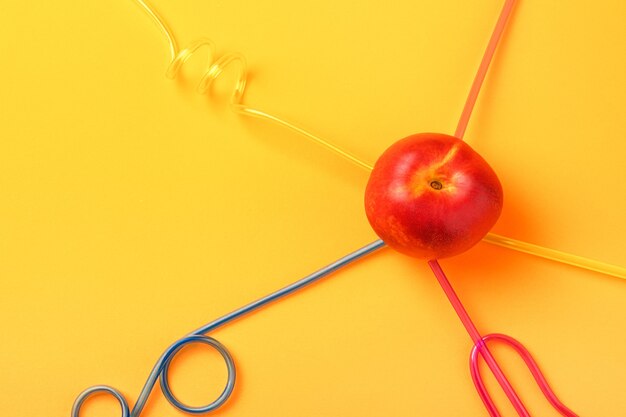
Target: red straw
[478, 342]
[434, 265]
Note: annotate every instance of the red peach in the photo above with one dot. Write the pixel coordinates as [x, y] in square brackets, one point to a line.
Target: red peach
[432, 196]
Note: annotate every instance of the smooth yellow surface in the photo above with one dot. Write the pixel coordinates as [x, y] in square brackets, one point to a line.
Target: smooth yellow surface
[133, 210]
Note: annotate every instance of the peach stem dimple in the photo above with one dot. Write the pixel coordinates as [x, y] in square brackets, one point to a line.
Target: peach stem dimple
[436, 185]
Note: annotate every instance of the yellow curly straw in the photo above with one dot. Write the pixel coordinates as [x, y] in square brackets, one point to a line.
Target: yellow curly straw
[216, 68]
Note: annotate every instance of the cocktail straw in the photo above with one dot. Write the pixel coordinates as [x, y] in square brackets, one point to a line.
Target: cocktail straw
[480, 348]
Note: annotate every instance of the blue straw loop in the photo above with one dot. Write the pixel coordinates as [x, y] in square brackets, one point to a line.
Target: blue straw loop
[230, 382]
[161, 367]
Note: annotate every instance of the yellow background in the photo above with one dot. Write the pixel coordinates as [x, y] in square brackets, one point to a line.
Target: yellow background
[133, 210]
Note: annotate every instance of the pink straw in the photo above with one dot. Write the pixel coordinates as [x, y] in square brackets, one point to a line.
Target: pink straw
[530, 362]
[480, 346]
[480, 341]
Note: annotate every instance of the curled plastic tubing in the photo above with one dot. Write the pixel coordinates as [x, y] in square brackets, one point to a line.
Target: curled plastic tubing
[532, 366]
[100, 389]
[160, 369]
[215, 67]
[480, 347]
[477, 338]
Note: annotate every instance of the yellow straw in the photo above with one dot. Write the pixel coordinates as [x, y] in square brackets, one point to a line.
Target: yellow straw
[216, 67]
[555, 255]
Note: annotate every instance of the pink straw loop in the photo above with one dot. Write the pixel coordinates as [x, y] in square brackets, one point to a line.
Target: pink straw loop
[480, 347]
[532, 366]
[478, 340]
